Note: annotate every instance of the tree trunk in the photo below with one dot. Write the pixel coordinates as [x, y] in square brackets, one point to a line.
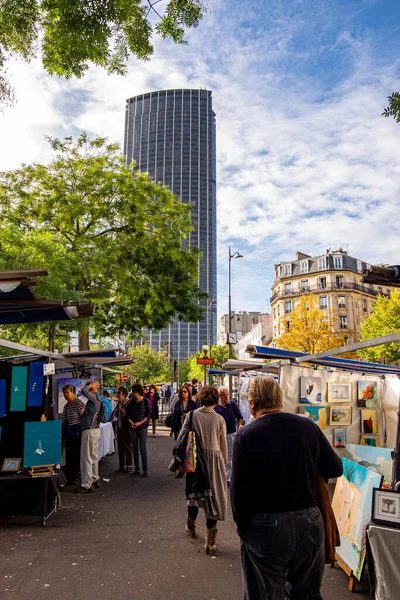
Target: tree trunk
[52, 336]
[83, 338]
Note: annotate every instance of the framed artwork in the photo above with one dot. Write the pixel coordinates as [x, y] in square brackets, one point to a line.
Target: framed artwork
[386, 507]
[367, 394]
[340, 392]
[352, 506]
[370, 440]
[369, 423]
[310, 390]
[317, 414]
[339, 438]
[77, 384]
[19, 382]
[11, 465]
[42, 443]
[375, 458]
[340, 416]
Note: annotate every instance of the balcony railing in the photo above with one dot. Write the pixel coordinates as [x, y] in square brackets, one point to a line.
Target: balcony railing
[346, 285]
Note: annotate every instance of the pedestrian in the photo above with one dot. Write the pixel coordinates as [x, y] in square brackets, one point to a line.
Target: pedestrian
[206, 487]
[277, 460]
[123, 432]
[138, 415]
[230, 412]
[184, 404]
[194, 388]
[72, 412]
[153, 398]
[94, 414]
[168, 394]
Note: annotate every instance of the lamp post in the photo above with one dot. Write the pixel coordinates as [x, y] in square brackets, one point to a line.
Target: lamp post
[205, 348]
[231, 255]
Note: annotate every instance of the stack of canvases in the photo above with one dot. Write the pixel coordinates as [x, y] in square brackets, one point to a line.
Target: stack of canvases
[24, 438]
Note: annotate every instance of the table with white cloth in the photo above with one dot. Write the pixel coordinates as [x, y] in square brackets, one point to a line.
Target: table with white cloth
[106, 442]
[383, 560]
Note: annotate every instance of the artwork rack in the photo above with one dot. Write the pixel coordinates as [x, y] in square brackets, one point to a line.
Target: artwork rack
[42, 471]
[348, 571]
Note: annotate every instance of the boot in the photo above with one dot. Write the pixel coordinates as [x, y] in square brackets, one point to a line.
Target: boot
[211, 540]
[190, 527]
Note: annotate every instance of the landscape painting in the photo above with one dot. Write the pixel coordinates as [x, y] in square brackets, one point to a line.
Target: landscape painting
[340, 416]
[367, 394]
[377, 459]
[339, 438]
[317, 414]
[310, 390]
[352, 505]
[340, 392]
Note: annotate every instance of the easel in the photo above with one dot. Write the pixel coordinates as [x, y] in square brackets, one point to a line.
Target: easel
[348, 571]
[42, 471]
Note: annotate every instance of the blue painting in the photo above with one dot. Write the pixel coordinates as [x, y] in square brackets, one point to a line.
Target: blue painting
[317, 414]
[42, 443]
[377, 459]
[2, 397]
[310, 390]
[35, 384]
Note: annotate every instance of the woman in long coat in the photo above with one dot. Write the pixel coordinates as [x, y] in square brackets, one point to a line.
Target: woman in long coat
[210, 430]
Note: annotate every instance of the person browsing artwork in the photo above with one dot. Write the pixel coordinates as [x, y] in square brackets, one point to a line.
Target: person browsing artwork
[72, 412]
[138, 414]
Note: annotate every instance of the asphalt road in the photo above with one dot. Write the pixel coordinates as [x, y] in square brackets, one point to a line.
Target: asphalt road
[126, 541]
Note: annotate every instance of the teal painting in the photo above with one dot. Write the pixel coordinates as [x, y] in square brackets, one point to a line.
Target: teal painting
[19, 382]
[42, 443]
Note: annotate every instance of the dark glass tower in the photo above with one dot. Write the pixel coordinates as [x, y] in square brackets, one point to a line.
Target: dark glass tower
[171, 134]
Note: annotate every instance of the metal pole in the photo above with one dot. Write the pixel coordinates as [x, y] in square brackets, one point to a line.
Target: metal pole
[229, 319]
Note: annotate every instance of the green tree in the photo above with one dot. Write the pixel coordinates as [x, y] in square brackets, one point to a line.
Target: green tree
[393, 108]
[385, 319]
[108, 235]
[218, 353]
[148, 365]
[311, 329]
[71, 34]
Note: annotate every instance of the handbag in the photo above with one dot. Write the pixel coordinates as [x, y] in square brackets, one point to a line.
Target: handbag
[189, 462]
[168, 420]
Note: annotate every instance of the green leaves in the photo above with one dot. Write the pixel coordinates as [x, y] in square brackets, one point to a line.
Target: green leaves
[393, 109]
[149, 366]
[385, 319]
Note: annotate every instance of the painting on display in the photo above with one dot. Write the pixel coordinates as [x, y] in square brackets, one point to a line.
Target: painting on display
[42, 443]
[310, 390]
[243, 402]
[2, 397]
[77, 384]
[377, 459]
[370, 440]
[19, 382]
[369, 423]
[367, 394]
[352, 505]
[340, 392]
[35, 384]
[339, 438]
[340, 416]
[317, 414]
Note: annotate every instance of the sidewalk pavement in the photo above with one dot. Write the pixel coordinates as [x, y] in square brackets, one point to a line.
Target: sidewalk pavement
[127, 541]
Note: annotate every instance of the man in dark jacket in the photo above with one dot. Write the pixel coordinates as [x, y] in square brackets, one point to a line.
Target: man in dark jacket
[276, 463]
[138, 415]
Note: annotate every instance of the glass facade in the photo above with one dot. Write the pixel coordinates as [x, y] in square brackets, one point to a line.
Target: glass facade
[171, 134]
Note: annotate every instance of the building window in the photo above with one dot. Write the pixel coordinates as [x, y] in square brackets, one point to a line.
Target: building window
[364, 303]
[359, 266]
[288, 288]
[288, 270]
[337, 262]
[322, 283]
[321, 264]
[304, 266]
[288, 306]
[343, 322]
[339, 281]
[342, 301]
[323, 302]
[304, 285]
[274, 313]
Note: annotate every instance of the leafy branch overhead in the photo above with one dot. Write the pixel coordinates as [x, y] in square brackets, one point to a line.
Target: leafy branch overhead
[71, 34]
[393, 108]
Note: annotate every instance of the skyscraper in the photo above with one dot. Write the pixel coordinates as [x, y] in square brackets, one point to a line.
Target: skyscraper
[171, 134]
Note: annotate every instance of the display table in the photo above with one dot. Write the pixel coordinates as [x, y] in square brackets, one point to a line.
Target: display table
[22, 494]
[384, 552]
[106, 442]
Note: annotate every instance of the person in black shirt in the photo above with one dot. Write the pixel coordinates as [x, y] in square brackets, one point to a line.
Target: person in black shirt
[276, 463]
[138, 415]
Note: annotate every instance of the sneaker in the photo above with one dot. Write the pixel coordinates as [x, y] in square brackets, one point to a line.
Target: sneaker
[96, 484]
[145, 474]
[135, 473]
[154, 435]
[83, 490]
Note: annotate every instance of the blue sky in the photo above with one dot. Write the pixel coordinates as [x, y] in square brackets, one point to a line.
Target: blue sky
[305, 160]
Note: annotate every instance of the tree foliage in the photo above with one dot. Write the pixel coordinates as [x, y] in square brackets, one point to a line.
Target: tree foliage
[311, 329]
[218, 353]
[148, 366]
[385, 319]
[108, 235]
[71, 34]
[393, 108]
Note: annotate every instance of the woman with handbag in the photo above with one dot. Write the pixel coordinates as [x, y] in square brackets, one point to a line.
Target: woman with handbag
[207, 454]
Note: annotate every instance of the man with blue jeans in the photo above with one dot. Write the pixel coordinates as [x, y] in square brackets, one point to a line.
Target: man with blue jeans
[230, 412]
[277, 460]
[138, 414]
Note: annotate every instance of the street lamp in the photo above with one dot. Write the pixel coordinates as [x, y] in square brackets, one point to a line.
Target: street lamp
[205, 348]
[230, 339]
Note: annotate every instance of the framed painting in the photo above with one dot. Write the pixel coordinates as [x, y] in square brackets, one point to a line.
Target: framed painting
[352, 506]
[386, 507]
[317, 414]
[367, 394]
[310, 390]
[375, 458]
[340, 416]
[42, 443]
[339, 438]
[11, 465]
[340, 392]
[369, 423]
[370, 440]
